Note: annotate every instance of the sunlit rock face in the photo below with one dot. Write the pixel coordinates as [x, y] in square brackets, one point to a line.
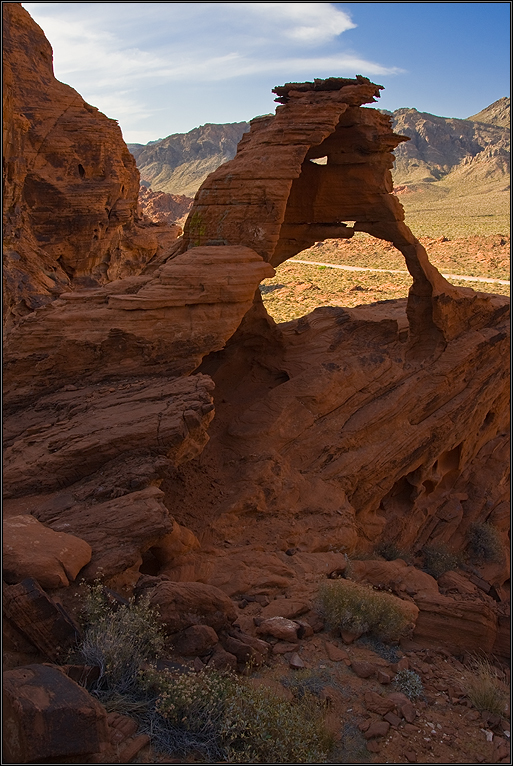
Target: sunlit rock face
[320, 168]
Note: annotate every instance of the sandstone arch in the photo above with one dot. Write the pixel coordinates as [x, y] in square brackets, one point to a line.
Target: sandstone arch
[273, 198]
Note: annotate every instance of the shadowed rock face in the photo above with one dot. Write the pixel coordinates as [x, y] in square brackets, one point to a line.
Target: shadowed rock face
[70, 183]
[318, 437]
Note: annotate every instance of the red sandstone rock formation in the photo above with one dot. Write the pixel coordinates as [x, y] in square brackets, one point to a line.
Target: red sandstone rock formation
[330, 433]
[70, 183]
[161, 207]
[287, 201]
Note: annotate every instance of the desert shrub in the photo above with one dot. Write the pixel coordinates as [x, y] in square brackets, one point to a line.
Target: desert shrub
[353, 745]
[483, 686]
[260, 727]
[309, 681]
[222, 717]
[388, 551]
[409, 683]
[360, 609]
[438, 559]
[484, 542]
[386, 651]
[119, 639]
[218, 715]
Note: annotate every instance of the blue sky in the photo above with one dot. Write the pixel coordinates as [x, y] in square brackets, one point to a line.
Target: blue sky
[163, 68]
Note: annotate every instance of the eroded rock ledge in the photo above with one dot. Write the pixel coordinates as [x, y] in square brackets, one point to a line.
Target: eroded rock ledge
[70, 184]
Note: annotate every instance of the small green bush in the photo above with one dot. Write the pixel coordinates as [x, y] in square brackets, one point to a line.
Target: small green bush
[438, 560]
[262, 728]
[483, 686]
[223, 717]
[408, 682]
[119, 639]
[484, 543]
[360, 609]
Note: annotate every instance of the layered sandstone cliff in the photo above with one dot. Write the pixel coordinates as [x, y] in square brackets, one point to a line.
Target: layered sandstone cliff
[244, 454]
[70, 183]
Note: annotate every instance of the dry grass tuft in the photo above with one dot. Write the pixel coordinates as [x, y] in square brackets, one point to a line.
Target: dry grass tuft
[484, 686]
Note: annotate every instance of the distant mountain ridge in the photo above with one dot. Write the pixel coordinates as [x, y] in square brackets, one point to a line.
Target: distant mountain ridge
[450, 150]
[443, 153]
[497, 113]
[180, 163]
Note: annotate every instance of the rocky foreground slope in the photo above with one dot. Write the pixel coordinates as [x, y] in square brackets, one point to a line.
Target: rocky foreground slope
[164, 434]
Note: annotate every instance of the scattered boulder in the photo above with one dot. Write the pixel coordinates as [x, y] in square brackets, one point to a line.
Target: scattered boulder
[182, 604]
[408, 712]
[315, 620]
[41, 708]
[195, 641]
[30, 549]
[243, 651]
[283, 647]
[377, 729]
[305, 630]
[285, 607]
[335, 654]
[363, 669]
[295, 662]
[43, 621]
[279, 627]
[222, 660]
[393, 719]
[375, 703]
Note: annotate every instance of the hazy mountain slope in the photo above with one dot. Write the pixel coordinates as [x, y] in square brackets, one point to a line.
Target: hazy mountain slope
[179, 163]
[441, 146]
[497, 113]
[452, 173]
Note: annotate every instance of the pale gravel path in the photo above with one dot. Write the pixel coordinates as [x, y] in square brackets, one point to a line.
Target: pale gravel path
[395, 271]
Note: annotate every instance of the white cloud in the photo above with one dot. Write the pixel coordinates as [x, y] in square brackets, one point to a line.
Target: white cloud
[85, 50]
[135, 60]
[309, 22]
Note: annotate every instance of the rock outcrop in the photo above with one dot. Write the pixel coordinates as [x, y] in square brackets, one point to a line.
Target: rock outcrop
[41, 709]
[160, 207]
[163, 324]
[70, 183]
[164, 418]
[32, 550]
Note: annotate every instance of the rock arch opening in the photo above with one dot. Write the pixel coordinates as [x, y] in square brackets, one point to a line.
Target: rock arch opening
[272, 198]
